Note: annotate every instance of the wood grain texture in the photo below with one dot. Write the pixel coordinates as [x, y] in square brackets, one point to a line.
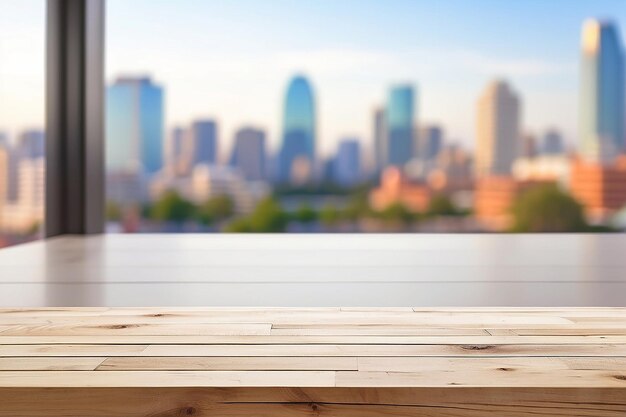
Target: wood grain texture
[528, 362]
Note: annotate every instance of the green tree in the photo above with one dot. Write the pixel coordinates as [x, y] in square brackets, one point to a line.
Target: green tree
[241, 225]
[546, 208]
[397, 213]
[441, 205]
[171, 207]
[305, 214]
[268, 217]
[215, 209]
[329, 215]
[113, 211]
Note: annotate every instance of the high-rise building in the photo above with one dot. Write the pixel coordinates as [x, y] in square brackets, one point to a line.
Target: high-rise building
[134, 126]
[175, 154]
[602, 90]
[297, 154]
[204, 142]
[31, 144]
[430, 142]
[529, 146]
[400, 122]
[380, 140]
[347, 165]
[497, 130]
[552, 143]
[249, 154]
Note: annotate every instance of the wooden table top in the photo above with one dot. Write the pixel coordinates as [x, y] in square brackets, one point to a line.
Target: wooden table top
[317, 347]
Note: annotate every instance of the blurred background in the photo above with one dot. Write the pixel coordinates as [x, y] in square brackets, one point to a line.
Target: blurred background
[324, 116]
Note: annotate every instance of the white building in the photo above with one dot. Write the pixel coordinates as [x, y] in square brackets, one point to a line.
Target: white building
[207, 181]
[27, 211]
[497, 130]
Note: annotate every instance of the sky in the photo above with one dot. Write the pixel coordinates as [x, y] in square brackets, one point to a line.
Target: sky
[232, 59]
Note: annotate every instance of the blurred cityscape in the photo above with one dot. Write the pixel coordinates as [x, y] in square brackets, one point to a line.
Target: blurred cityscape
[407, 176]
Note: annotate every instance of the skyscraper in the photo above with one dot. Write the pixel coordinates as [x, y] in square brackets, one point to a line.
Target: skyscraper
[134, 126]
[400, 124]
[175, 156]
[431, 142]
[497, 130]
[347, 165]
[602, 91]
[380, 140]
[249, 153]
[204, 142]
[552, 143]
[298, 144]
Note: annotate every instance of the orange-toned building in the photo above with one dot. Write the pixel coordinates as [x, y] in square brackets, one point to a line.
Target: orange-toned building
[395, 188]
[494, 197]
[601, 189]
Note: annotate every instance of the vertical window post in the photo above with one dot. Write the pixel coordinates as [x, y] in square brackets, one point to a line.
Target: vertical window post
[74, 117]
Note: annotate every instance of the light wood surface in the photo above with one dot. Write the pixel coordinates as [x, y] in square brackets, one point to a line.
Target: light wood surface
[527, 362]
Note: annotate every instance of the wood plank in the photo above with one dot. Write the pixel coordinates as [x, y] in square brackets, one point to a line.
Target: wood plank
[229, 364]
[50, 364]
[368, 330]
[507, 339]
[173, 329]
[384, 350]
[498, 377]
[70, 350]
[324, 402]
[129, 379]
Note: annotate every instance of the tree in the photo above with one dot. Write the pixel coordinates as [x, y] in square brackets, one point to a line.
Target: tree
[171, 207]
[397, 213]
[268, 217]
[441, 205]
[215, 209]
[546, 208]
[305, 214]
[329, 215]
[113, 211]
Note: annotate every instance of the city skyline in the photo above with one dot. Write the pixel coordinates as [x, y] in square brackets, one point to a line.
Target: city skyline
[350, 64]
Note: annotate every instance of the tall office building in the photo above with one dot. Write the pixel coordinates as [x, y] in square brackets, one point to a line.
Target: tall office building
[31, 144]
[430, 142]
[400, 122]
[204, 142]
[249, 154]
[134, 126]
[497, 130]
[602, 90]
[175, 152]
[552, 143]
[347, 164]
[297, 154]
[380, 140]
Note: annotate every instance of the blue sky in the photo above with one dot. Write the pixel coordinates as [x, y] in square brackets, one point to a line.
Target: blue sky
[231, 59]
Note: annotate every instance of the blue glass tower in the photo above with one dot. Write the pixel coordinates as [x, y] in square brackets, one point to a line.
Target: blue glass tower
[204, 134]
[602, 91]
[298, 126]
[400, 111]
[347, 167]
[134, 126]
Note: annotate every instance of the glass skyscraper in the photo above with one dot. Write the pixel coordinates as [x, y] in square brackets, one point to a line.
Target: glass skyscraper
[298, 128]
[400, 122]
[602, 91]
[134, 126]
[204, 136]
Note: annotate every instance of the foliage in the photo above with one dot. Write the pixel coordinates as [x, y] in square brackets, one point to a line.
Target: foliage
[215, 209]
[305, 214]
[267, 217]
[329, 215]
[441, 205]
[171, 207]
[546, 208]
[397, 213]
[112, 211]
